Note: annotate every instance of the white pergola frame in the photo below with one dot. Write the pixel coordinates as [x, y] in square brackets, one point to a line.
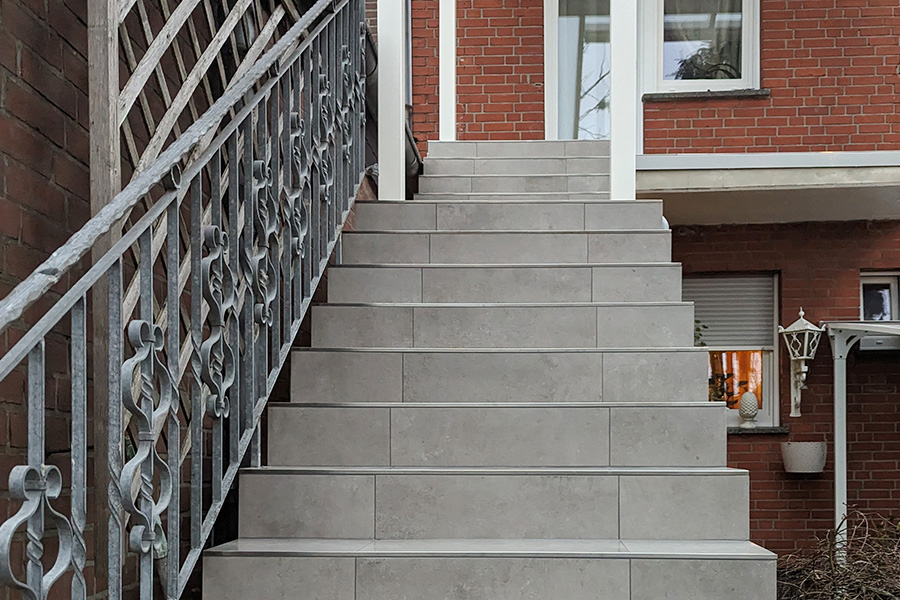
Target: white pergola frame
[843, 337]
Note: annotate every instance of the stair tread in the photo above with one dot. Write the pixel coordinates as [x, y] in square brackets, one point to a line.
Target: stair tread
[504, 231]
[505, 304]
[420, 265]
[500, 405]
[548, 548]
[513, 471]
[637, 349]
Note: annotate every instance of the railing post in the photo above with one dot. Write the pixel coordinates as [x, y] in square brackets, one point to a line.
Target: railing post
[447, 61]
[103, 76]
[623, 99]
[391, 109]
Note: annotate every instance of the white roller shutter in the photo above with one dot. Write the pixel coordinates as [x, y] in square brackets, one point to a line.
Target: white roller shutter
[739, 311]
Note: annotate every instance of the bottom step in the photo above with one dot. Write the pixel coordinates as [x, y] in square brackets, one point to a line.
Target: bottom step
[254, 569]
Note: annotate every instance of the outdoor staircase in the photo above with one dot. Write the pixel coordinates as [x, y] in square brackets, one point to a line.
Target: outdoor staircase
[502, 402]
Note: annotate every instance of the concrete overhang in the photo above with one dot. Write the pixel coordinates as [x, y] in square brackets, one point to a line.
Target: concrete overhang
[714, 189]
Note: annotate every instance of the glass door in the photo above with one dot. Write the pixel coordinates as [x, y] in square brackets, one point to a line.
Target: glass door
[583, 70]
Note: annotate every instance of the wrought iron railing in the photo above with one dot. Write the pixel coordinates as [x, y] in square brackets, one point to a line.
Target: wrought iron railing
[245, 216]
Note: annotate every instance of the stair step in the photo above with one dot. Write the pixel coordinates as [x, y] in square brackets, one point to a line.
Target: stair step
[516, 166]
[507, 247]
[263, 569]
[474, 435]
[515, 197]
[509, 283]
[481, 184]
[499, 375]
[572, 325]
[518, 149]
[535, 215]
[435, 502]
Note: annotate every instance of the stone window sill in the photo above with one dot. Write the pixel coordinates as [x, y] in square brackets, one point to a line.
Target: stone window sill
[782, 430]
[707, 95]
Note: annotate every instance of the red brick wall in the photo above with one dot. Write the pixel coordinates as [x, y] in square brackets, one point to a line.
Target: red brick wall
[819, 266]
[500, 70]
[832, 67]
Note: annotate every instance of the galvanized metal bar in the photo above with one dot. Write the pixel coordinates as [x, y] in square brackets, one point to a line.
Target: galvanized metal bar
[234, 420]
[114, 423]
[196, 333]
[173, 349]
[79, 447]
[34, 547]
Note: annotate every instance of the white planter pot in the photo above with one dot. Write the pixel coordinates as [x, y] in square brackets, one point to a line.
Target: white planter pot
[804, 457]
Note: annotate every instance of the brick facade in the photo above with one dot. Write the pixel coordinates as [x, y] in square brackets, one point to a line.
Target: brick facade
[833, 68]
[787, 511]
[500, 70]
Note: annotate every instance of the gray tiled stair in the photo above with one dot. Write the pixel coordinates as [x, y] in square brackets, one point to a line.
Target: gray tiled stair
[534, 215]
[502, 402]
[494, 502]
[506, 247]
[497, 434]
[505, 283]
[571, 325]
[619, 569]
[499, 375]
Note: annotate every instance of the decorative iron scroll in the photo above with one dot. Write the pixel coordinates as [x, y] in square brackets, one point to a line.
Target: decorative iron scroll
[150, 417]
[217, 356]
[35, 487]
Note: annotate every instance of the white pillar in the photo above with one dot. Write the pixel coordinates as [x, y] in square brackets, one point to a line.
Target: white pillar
[840, 444]
[447, 72]
[391, 109]
[623, 99]
[551, 65]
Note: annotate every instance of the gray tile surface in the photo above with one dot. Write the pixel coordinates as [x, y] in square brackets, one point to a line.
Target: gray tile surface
[329, 436]
[318, 377]
[270, 578]
[702, 580]
[668, 437]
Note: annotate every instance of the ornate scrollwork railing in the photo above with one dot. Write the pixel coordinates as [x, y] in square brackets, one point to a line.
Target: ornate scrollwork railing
[246, 214]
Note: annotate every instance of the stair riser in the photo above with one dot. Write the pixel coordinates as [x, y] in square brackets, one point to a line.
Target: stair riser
[521, 284]
[485, 184]
[493, 326]
[494, 578]
[321, 376]
[534, 216]
[516, 166]
[506, 248]
[496, 436]
[451, 506]
[531, 149]
[512, 197]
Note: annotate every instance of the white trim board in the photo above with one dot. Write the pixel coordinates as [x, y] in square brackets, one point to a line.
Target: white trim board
[766, 160]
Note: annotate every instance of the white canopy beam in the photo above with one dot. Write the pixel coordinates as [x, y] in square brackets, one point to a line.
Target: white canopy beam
[623, 98]
[391, 102]
[447, 70]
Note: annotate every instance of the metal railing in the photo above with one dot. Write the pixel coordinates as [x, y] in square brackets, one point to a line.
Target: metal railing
[227, 257]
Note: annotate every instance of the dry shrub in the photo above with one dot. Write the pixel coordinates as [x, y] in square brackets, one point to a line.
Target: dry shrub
[864, 567]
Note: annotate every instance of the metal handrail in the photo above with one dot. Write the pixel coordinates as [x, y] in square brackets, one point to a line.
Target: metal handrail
[263, 199]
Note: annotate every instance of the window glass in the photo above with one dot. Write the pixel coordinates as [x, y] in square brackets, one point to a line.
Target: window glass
[583, 70]
[734, 373]
[877, 301]
[702, 39]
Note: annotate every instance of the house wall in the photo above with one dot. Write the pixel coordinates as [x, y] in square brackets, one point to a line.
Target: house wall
[500, 70]
[819, 266]
[832, 68]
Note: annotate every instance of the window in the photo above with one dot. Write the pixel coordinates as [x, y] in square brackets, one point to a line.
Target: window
[878, 297]
[736, 321]
[700, 45]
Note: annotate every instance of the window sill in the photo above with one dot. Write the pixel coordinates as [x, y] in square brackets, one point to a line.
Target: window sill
[706, 95]
[782, 430]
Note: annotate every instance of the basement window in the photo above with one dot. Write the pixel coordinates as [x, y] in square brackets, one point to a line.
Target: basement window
[878, 297]
[736, 321]
[701, 45]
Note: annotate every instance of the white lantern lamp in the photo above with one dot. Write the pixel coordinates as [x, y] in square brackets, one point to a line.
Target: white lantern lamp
[802, 341]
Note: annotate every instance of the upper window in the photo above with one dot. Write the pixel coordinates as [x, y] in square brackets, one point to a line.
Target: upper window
[879, 297]
[736, 321]
[700, 45]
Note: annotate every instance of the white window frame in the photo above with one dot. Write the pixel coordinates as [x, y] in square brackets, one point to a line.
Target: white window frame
[651, 58]
[892, 279]
[770, 413]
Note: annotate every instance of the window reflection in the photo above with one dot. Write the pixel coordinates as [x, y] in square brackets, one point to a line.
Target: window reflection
[702, 39]
[734, 373]
[584, 66]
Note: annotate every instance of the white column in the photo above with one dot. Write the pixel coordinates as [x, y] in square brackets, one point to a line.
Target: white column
[551, 65]
[840, 443]
[447, 72]
[623, 98]
[391, 109]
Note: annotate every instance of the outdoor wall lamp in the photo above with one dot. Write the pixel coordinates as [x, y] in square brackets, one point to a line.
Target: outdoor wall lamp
[802, 341]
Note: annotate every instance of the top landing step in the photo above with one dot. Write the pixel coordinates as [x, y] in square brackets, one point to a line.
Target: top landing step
[518, 149]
